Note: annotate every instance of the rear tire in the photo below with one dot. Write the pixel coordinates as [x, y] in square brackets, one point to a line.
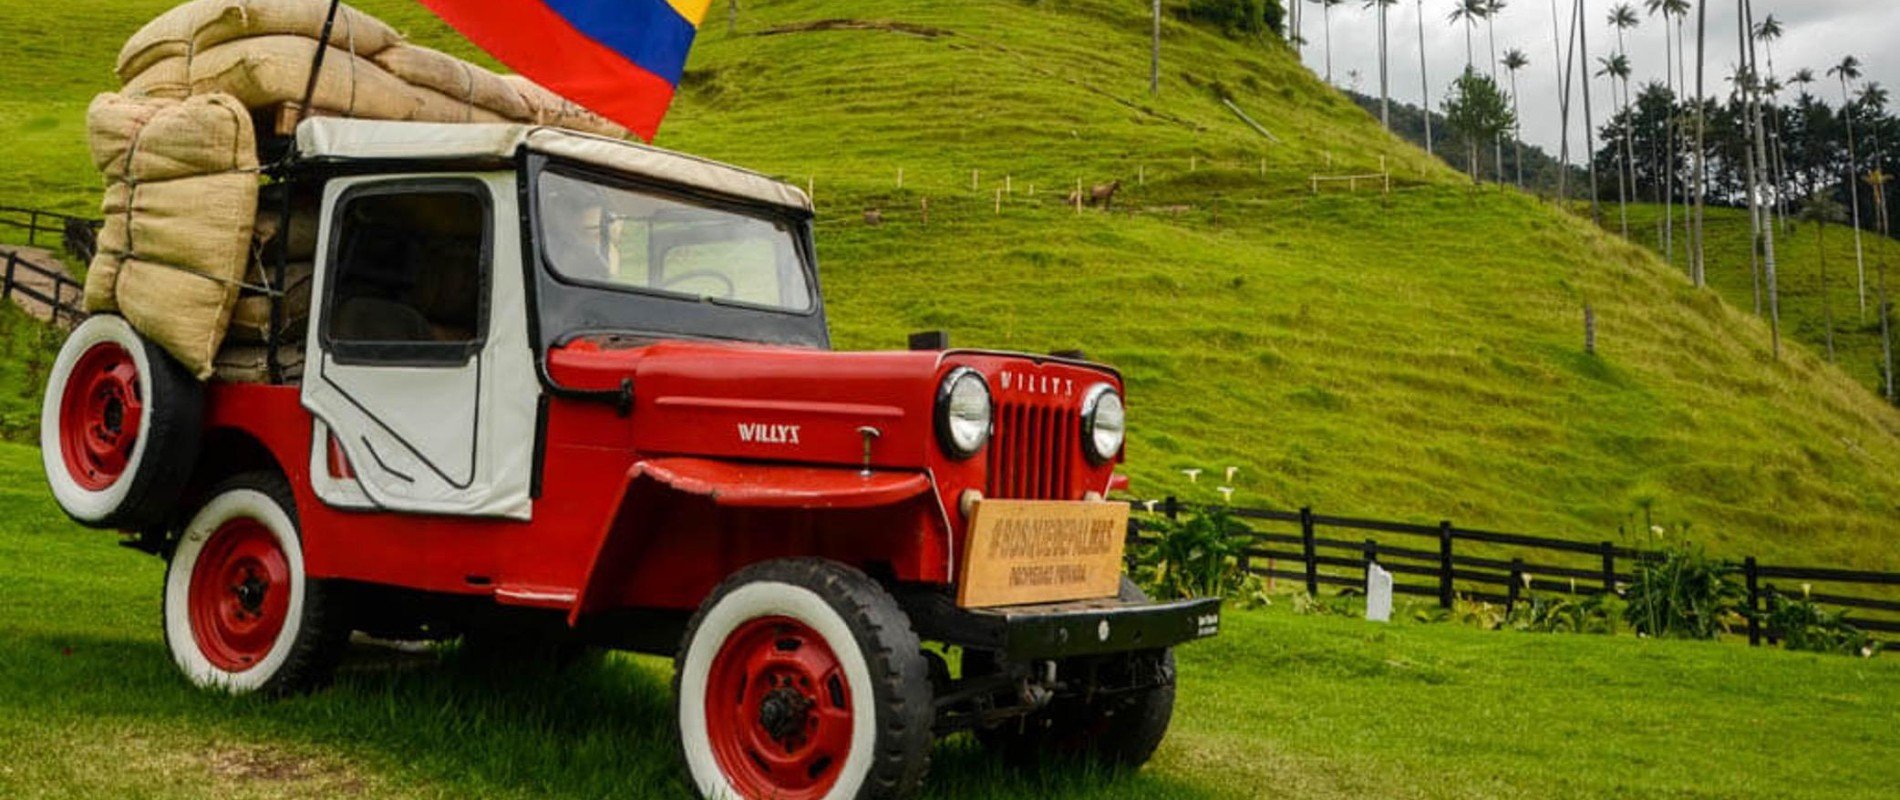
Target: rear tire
[119, 427]
[240, 613]
[801, 679]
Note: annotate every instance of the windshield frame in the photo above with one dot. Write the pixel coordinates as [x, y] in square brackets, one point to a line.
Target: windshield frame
[567, 307]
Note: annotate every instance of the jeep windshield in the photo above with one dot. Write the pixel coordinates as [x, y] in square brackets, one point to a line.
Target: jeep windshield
[625, 257]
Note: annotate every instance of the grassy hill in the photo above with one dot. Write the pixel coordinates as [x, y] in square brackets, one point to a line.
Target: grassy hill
[1416, 356]
[1798, 264]
[1279, 705]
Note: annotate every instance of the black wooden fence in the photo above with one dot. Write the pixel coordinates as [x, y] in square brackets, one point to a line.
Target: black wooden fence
[78, 236]
[1445, 562]
[64, 303]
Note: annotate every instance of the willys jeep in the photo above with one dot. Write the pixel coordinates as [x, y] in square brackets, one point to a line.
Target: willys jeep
[557, 392]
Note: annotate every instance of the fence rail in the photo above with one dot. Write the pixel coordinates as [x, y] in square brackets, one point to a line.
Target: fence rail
[1500, 567]
[78, 236]
[65, 303]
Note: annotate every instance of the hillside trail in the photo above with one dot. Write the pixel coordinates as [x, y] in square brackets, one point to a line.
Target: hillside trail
[40, 281]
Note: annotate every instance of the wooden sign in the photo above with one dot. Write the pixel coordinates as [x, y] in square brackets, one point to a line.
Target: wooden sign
[1042, 551]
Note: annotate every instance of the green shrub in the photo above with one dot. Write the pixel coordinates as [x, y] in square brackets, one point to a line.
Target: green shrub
[1804, 625]
[1683, 593]
[1195, 556]
[1239, 17]
[1597, 613]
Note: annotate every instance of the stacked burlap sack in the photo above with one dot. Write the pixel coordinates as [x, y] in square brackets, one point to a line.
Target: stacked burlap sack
[184, 250]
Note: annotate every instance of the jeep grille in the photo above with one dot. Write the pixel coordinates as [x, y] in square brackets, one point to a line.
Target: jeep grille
[1032, 449]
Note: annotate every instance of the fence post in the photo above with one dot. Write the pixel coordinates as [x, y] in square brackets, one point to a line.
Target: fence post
[6, 289]
[1751, 574]
[1372, 557]
[1171, 508]
[1306, 539]
[1609, 567]
[1444, 564]
[1517, 584]
[32, 227]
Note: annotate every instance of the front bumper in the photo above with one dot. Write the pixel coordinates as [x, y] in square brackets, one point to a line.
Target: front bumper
[1063, 630]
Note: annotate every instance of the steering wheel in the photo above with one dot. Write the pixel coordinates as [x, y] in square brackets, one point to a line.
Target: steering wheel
[704, 274]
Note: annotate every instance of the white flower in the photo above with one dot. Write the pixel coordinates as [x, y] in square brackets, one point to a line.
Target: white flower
[1226, 494]
[1656, 530]
[1807, 589]
[1149, 505]
[1194, 475]
[1231, 471]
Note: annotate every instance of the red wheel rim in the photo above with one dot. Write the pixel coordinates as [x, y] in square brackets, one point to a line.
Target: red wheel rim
[778, 710]
[240, 595]
[100, 413]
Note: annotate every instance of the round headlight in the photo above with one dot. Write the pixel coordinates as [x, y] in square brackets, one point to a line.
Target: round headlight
[1104, 423]
[964, 413]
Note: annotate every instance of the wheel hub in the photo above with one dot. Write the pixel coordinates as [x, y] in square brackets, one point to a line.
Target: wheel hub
[778, 710]
[239, 595]
[99, 416]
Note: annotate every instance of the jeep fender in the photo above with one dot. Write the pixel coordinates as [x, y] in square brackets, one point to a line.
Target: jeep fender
[681, 525]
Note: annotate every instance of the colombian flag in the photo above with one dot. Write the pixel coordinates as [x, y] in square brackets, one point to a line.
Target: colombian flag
[620, 59]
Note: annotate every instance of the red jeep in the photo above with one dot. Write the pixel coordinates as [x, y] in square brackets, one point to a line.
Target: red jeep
[556, 392]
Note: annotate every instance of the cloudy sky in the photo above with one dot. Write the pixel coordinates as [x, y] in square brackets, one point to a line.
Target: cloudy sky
[1819, 33]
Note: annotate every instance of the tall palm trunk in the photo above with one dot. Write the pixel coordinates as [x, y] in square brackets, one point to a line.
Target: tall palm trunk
[1669, 139]
[1385, 85]
[1425, 81]
[1491, 26]
[1589, 118]
[1563, 100]
[1853, 192]
[1517, 127]
[1699, 261]
[1326, 16]
[1761, 156]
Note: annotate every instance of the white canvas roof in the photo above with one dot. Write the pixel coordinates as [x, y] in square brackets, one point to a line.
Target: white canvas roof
[374, 139]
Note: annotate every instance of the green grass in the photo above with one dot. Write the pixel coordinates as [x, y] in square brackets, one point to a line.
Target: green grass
[1415, 357]
[1798, 267]
[1280, 704]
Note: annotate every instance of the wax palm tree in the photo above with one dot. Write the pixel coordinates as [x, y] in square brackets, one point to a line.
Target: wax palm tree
[1848, 71]
[1623, 18]
[1563, 99]
[1767, 33]
[1750, 55]
[1616, 67]
[1589, 116]
[1698, 266]
[1672, 52]
[1326, 13]
[1514, 60]
[1873, 99]
[1385, 82]
[1822, 210]
[1492, 8]
[1425, 81]
[1467, 13]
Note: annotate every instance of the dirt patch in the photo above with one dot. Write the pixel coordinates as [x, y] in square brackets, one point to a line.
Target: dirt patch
[858, 25]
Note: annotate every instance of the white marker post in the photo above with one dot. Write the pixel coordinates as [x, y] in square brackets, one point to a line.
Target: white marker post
[1378, 593]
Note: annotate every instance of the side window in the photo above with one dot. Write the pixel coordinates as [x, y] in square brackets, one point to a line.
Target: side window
[408, 272]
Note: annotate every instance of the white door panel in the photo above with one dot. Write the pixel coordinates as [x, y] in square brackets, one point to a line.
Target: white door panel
[433, 438]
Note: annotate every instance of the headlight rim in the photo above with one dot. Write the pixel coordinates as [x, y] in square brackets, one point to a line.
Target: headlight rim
[1091, 403]
[946, 440]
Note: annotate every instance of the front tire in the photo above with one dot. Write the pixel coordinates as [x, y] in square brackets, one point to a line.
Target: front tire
[240, 613]
[801, 679]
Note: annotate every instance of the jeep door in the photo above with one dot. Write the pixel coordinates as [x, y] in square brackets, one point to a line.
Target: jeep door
[421, 382]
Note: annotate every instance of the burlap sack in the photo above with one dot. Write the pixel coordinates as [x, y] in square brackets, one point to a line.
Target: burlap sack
[179, 211]
[246, 363]
[303, 231]
[461, 82]
[548, 108]
[197, 26]
[266, 71]
[114, 243]
[250, 318]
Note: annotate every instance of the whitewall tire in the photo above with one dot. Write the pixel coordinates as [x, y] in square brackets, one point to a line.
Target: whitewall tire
[240, 613]
[802, 680]
[119, 427]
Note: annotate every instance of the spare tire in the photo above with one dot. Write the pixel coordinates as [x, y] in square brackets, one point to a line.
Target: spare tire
[119, 427]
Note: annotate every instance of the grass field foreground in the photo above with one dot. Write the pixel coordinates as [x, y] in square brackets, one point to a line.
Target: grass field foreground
[1279, 705]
